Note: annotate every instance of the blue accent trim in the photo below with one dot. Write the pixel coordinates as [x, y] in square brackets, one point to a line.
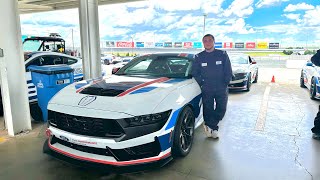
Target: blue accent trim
[174, 81]
[173, 120]
[143, 90]
[33, 97]
[80, 85]
[78, 75]
[195, 104]
[165, 142]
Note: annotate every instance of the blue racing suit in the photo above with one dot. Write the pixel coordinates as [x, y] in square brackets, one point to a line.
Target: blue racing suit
[213, 72]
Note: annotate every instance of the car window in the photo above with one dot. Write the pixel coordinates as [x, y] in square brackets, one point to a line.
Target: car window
[69, 61]
[139, 67]
[238, 59]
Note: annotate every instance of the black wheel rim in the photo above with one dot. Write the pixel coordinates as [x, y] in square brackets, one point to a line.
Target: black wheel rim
[186, 131]
[312, 89]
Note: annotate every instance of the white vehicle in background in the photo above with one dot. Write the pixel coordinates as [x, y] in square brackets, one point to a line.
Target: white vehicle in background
[42, 58]
[107, 59]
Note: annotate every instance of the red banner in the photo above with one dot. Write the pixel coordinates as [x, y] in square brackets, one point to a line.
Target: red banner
[125, 44]
[250, 45]
[187, 44]
[228, 45]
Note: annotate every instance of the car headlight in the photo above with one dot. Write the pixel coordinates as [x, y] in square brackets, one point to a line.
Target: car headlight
[239, 76]
[148, 119]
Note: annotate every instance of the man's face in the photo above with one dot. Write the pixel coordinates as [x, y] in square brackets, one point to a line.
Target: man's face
[208, 42]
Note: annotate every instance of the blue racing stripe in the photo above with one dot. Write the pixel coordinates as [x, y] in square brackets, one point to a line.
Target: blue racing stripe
[174, 81]
[143, 90]
[173, 120]
[165, 141]
[78, 75]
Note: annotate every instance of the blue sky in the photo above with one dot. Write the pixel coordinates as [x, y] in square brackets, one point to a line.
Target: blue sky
[290, 22]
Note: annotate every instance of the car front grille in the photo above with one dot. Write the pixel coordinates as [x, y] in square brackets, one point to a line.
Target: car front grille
[86, 125]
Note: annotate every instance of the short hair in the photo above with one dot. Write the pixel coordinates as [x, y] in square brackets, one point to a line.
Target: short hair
[208, 35]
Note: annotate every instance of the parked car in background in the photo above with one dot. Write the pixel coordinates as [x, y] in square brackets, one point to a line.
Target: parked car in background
[245, 72]
[127, 59]
[42, 58]
[91, 125]
[310, 78]
[107, 59]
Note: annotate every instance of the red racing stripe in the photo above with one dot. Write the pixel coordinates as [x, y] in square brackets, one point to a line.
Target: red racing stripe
[133, 162]
[143, 85]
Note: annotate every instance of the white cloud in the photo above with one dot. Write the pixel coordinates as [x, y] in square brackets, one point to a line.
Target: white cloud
[300, 6]
[292, 16]
[212, 6]
[239, 8]
[268, 3]
[311, 17]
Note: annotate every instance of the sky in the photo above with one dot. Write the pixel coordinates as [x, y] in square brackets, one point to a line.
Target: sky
[289, 22]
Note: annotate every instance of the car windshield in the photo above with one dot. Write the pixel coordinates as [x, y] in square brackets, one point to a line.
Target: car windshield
[238, 59]
[158, 66]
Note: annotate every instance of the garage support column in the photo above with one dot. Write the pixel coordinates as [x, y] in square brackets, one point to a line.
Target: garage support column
[90, 38]
[13, 81]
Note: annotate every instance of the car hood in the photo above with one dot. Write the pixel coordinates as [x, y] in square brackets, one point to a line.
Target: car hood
[240, 68]
[129, 95]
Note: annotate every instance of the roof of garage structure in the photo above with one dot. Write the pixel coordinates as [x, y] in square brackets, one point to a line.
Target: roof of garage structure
[32, 6]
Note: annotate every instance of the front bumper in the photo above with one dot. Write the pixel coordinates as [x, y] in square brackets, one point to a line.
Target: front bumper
[92, 152]
[238, 84]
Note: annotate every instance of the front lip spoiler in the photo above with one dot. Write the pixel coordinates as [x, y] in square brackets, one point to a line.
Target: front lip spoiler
[120, 167]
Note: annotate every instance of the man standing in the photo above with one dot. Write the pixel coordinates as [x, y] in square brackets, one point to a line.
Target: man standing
[212, 71]
[315, 59]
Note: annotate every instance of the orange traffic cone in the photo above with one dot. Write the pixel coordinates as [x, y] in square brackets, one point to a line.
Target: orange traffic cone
[273, 80]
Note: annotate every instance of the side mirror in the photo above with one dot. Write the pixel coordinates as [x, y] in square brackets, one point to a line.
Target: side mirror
[309, 64]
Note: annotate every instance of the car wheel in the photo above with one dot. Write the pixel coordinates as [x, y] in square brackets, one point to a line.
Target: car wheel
[36, 112]
[256, 78]
[248, 83]
[313, 89]
[183, 133]
[302, 80]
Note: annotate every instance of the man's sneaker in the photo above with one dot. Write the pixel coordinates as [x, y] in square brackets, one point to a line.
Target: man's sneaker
[214, 134]
[316, 136]
[207, 130]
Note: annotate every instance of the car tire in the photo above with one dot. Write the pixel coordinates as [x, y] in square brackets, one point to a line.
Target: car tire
[36, 112]
[183, 133]
[313, 89]
[256, 78]
[248, 83]
[302, 80]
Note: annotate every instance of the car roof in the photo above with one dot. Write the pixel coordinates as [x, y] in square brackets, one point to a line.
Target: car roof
[45, 39]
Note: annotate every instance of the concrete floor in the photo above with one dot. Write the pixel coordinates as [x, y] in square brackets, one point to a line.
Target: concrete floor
[263, 136]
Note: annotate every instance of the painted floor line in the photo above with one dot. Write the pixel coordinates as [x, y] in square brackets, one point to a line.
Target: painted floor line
[263, 110]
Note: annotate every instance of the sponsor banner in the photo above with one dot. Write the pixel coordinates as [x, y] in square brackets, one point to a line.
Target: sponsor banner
[109, 43]
[262, 45]
[218, 45]
[140, 44]
[148, 44]
[239, 45]
[187, 44]
[125, 44]
[178, 44]
[274, 45]
[250, 45]
[228, 45]
[158, 44]
[168, 44]
[197, 44]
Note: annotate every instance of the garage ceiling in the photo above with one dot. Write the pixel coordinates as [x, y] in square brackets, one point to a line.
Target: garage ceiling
[32, 6]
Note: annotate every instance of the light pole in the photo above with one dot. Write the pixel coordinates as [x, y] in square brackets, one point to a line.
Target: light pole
[132, 36]
[204, 23]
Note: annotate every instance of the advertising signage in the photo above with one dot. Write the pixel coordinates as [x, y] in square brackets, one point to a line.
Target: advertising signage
[218, 45]
[239, 45]
[168, 44]
[274, 45]
[158, 44]
[178, 44]
[110, 43]
[148, 44]
[250, 45]
[187, 44]
[125, 44]
[140, 44]
[228, 45]
[197, 45]
[262, 45]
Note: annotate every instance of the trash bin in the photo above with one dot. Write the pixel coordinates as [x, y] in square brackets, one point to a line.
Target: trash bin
[49, 80]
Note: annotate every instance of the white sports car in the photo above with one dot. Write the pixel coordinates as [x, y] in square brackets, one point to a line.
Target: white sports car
[145, 113]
